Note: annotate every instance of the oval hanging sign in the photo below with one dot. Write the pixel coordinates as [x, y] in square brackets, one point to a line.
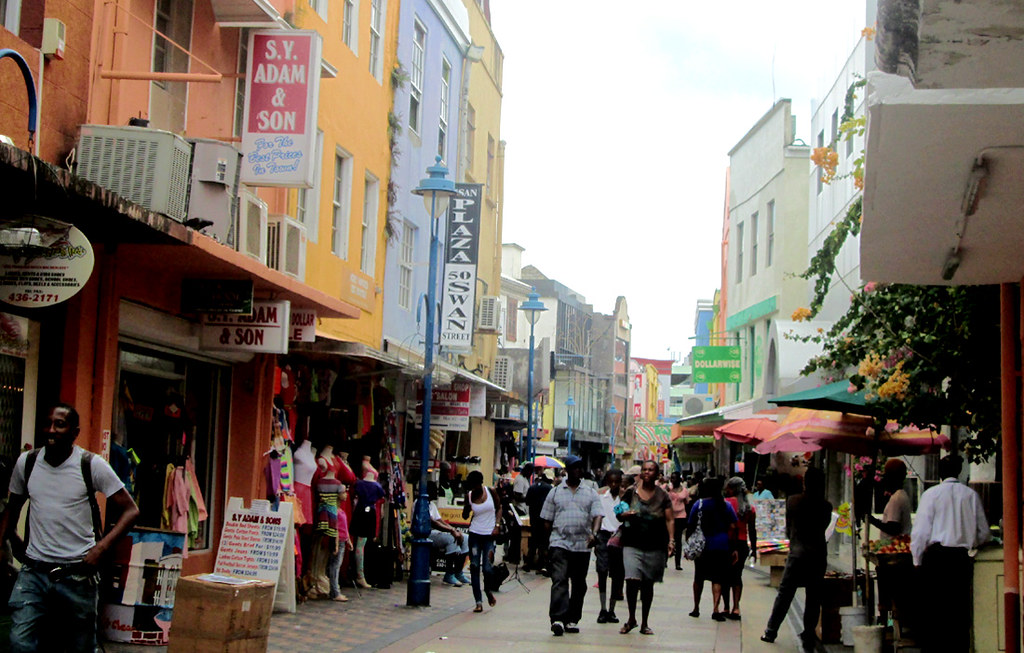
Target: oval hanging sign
[50, 278]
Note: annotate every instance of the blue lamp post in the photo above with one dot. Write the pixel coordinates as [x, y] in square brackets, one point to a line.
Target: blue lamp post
[435, 190]
[612, 412]
[569, 405]
[532, 307]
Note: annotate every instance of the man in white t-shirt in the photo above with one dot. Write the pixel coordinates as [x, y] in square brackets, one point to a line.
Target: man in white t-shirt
[64, 548]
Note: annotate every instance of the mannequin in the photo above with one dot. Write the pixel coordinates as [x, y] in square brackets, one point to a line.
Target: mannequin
[305, 469]
[369, 471]
[364, 522]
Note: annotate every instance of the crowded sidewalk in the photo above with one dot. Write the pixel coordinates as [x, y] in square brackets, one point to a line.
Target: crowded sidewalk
[378, 620]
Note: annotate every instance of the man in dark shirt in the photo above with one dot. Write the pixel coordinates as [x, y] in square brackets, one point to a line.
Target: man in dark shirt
[807, 517]
[536, 554]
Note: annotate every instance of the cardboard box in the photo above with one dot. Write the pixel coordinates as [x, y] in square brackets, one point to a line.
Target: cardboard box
[211, 616]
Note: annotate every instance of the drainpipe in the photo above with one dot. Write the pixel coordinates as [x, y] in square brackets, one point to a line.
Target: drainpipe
[1011, 308]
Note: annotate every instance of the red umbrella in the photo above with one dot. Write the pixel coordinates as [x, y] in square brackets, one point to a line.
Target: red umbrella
[751, 430]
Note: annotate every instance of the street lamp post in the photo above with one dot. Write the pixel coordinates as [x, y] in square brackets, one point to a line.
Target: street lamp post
[435, 190]
[612, 411]
[569, 405]
[532, 307]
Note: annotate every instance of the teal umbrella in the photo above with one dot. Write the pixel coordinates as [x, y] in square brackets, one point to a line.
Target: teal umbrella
[834, 396]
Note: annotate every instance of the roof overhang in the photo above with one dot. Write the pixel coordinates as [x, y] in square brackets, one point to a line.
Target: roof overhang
[706, 422]
[260, 14]
[943, 195]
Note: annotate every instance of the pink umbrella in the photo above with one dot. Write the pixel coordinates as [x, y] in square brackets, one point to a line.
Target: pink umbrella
[751, 430]
[854, 434]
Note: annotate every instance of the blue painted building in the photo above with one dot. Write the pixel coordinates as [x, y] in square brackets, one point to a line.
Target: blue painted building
[433, 41]
[703, 326]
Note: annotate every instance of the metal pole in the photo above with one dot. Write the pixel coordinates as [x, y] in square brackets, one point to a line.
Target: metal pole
[418, 590]
[529, 401]
[568, 444]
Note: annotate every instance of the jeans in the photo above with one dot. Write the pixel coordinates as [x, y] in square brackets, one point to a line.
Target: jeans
[334, 561]
[40, 603]
[568, 567]
[481, 551]
[806, 572]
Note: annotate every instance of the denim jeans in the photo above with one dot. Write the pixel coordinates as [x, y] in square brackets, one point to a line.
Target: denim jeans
[334, 561]
[567, 567]
[481, 552]
[806, 572]
[39, 603]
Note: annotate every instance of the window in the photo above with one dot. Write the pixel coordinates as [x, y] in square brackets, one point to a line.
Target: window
[490, 164]
[442, 124]
[349, 24]
[753, 244]
[368, 230]
[10, 15]
[307, 205]
[817, 169]
[168, 100]
[497, 63]
[419, 48]
[739, 252]
[835, 129]
[406, 251]
[243, 60]
[342, 202]
[470, 133]
[512, 320]
[770, 226]
[320, 7]
[376, 33]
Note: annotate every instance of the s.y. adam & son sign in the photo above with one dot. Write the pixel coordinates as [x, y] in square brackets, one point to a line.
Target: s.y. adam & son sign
[265, 330]
[462, 247]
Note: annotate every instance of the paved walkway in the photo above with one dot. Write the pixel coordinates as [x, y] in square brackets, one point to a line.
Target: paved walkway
[378, 620]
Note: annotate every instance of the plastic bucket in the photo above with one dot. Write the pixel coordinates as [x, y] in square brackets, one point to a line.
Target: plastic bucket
[851, 617]
[868, 639]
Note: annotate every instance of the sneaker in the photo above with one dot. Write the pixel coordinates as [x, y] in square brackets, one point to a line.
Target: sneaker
[572, 628]
[461, 577]
[450, 579]
[557, 629]
[611, 618]
[602, 617]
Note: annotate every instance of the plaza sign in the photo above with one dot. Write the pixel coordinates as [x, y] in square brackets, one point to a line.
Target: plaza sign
[716, 364]
[462, 247]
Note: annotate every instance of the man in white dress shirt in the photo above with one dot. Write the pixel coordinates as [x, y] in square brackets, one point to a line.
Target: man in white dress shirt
[950, 522]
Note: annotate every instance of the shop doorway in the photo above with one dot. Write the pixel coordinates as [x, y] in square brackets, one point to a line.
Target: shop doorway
[171, 410]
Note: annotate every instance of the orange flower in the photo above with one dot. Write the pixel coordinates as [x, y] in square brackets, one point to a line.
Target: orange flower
[868, 33]
[801, 314]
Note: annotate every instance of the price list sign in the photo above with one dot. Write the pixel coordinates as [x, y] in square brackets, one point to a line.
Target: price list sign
[253, 541]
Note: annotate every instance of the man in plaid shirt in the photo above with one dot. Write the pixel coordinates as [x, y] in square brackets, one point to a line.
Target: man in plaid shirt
[573, 514]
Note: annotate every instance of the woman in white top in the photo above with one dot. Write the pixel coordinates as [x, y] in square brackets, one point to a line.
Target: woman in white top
[483, 528]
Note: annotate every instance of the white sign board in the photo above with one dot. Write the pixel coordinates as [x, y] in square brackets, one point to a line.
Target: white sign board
[302, 325]
[282, 93]
[449, 409]
[50, 278]
[477, 401]
[258, 543]
[265, 330]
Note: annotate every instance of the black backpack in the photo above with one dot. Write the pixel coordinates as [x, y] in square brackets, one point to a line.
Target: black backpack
[90, 490]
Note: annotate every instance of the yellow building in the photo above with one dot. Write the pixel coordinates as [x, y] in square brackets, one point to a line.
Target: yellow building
[346, 212]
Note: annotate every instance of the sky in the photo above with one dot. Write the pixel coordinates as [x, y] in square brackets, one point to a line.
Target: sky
[618, 119]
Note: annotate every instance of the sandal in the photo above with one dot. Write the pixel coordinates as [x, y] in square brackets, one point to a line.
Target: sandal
[644, 630]
[628, 626]
[734, 616]
[479, 608]
[491, 601]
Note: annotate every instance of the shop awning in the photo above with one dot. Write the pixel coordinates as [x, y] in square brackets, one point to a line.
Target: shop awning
[260, 14]
[652, 433]
[705, 423]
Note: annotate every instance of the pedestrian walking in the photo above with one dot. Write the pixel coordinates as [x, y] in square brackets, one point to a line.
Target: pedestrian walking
[648, 537]
[715, 518]
[537, 550]
[950, 522]
[609, 556]
[485, 507]
[572, 512]
[58, 580]
[743, 541]
[807, 517]
[680, 496]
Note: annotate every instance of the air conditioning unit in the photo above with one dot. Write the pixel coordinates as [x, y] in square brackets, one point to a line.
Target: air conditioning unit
[490, 314]
[213, 193]
[502, 372]
[147, 166]
[252, 226]
[286, 245]
[696, 404]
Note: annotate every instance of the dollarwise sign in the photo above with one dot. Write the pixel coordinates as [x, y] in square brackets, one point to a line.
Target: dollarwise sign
[282, 94]
[716, 364]
[265, 330]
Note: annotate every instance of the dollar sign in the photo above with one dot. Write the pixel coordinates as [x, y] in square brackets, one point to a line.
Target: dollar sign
[225, 336]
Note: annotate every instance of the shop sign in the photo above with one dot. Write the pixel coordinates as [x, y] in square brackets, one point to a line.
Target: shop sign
[282, 93]
[716, 364]
[217, 296]
[257, 543]
[302, 327]
[477, 401]
[50, 278]
[361, 290]
[264, 331]
[462, 246]
[13, 335]
[449, 407]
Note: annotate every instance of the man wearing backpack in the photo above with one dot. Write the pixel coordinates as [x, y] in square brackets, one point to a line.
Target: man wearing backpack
[64, 543]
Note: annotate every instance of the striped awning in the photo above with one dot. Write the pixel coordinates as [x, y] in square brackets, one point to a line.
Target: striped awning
[652, 433]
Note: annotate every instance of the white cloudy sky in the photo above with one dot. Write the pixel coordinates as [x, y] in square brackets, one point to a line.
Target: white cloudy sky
[618, 118]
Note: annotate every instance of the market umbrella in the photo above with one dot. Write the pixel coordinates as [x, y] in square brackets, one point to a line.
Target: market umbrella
[751, 430]
[547, 461]
[804, 429]
[834, 396]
